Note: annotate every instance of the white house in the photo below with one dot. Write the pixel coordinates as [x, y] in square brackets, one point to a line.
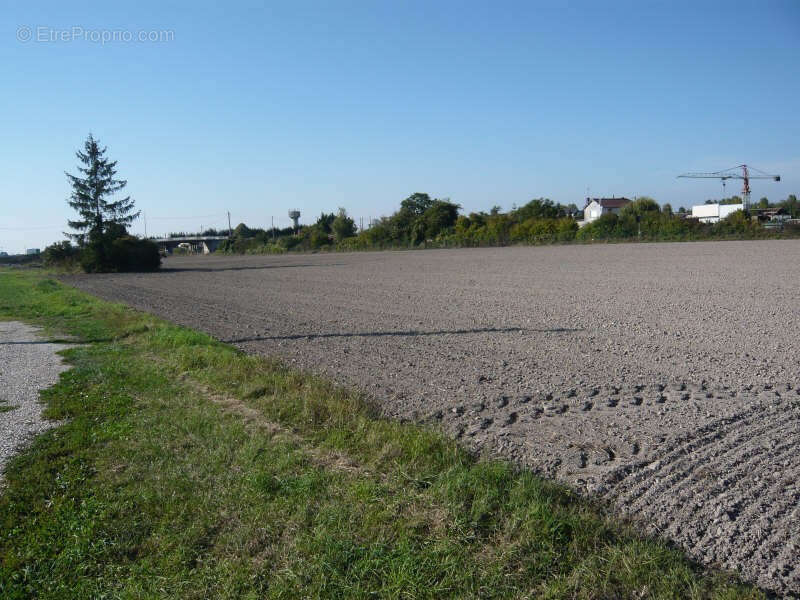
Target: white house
[711, 213]
[597, 207]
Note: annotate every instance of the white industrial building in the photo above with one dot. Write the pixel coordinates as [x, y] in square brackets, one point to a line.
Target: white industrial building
[711, 213]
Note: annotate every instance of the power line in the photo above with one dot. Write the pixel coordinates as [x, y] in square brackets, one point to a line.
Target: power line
[34, 228]
[63, 226]
[218, 215]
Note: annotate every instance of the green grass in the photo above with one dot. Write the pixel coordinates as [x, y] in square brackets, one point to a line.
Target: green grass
[5, 406]
[186, 469]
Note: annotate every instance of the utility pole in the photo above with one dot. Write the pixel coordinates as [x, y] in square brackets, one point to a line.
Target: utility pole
[230, 231]
[144, 214]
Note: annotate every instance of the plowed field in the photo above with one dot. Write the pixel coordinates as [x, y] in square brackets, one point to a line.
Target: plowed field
[663, 377]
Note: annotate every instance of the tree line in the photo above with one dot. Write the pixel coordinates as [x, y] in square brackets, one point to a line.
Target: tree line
[102, 242]
[422, 221]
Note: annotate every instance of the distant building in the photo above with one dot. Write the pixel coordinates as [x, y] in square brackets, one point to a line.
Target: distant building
[32, 251]
[597, 207]
[712, 213]
[771, 215]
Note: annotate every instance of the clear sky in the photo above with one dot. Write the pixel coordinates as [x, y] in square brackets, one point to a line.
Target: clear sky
[258, 108]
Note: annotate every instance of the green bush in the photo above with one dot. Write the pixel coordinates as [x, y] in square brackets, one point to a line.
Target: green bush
[61, 255]
[603, 228]
[318, 238]
[125, 253]
[129, 253]
[738, 224]
[544, 230]
[266, 249]
[358, 242]
[94, 257]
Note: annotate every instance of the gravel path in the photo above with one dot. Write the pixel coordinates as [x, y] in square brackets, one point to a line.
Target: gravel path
[27, 365]
[664, 377]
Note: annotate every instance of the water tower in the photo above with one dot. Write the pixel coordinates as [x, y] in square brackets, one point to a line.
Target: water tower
[294, 215]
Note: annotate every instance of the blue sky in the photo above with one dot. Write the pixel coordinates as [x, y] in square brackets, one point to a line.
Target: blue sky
[255, 109]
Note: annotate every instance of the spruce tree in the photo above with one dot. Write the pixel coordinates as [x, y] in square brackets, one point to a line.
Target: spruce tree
[100, 219]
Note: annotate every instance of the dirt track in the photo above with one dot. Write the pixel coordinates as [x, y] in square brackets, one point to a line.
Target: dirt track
[664, 377]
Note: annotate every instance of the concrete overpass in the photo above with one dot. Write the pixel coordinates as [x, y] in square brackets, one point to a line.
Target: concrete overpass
[195, 244]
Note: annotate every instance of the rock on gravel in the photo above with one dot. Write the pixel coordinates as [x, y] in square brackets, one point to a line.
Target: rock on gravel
[28, 364]
[662, 376]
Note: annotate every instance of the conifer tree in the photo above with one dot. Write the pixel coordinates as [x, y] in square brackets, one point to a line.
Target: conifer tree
[99, 217]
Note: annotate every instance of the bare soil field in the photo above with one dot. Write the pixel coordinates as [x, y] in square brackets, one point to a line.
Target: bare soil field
[664, 378]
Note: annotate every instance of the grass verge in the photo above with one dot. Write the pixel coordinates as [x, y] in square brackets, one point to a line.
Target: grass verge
[187, 469]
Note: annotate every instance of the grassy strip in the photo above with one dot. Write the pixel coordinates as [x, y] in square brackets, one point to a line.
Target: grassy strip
[187, 469]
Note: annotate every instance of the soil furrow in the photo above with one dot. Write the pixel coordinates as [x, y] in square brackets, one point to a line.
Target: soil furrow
[734, 460]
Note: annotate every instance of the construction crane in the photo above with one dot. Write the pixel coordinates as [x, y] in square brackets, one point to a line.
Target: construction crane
[746, 174]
